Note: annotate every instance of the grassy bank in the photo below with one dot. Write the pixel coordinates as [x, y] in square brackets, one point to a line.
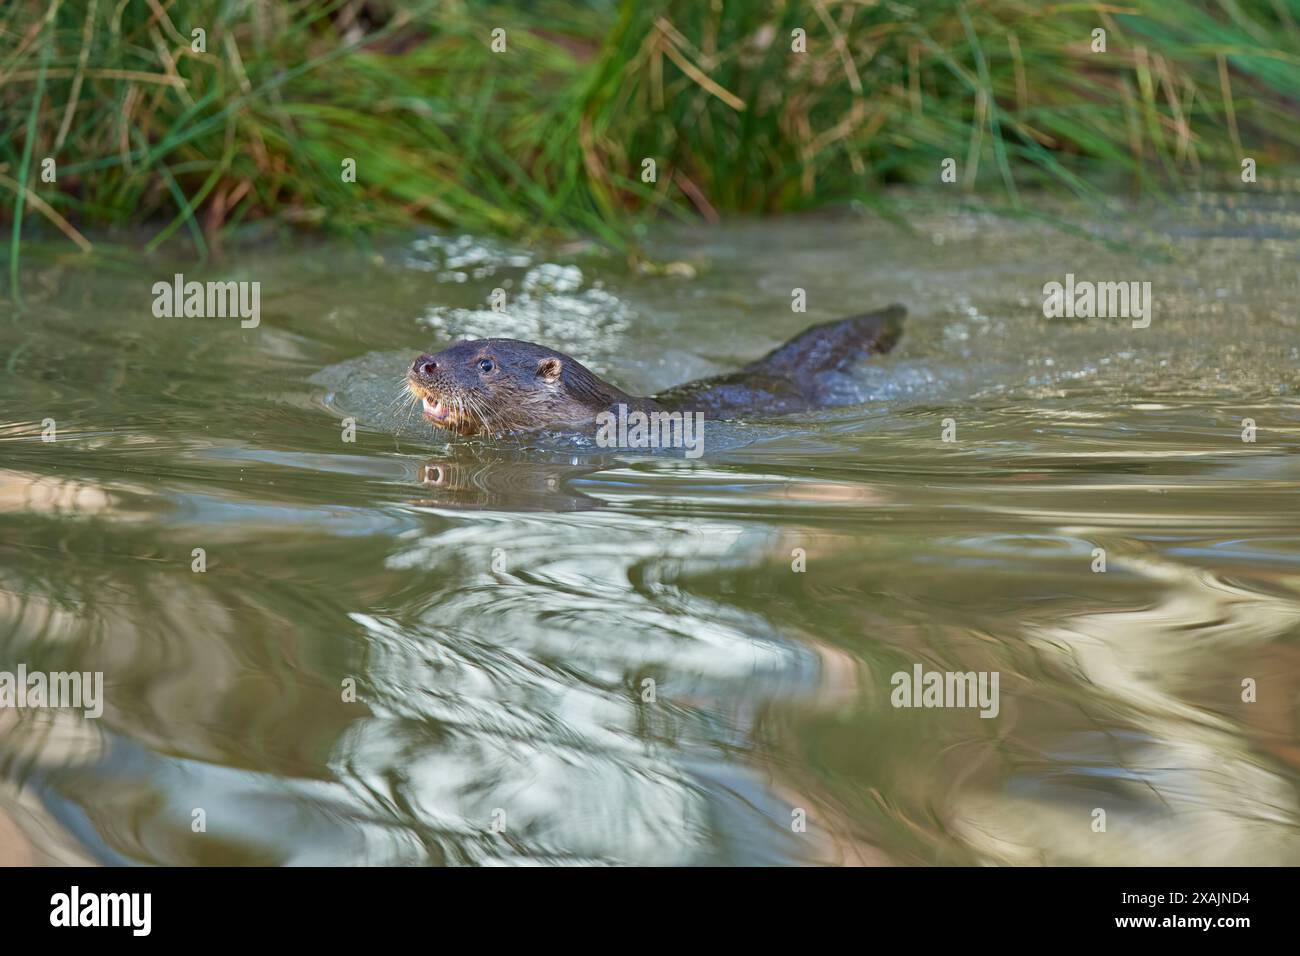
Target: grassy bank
[552, 133]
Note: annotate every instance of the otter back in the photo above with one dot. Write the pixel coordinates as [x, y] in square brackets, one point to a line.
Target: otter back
[801, 374]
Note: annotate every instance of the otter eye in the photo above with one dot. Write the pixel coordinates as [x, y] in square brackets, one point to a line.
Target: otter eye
[485, 366]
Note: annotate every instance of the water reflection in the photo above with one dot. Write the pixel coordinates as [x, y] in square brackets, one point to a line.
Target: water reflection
[475, 478]
[405, 650]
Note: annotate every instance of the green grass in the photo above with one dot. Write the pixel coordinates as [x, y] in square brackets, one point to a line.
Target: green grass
[549, 136]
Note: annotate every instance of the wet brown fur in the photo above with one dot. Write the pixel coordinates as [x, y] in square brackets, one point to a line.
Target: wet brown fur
[531, 387]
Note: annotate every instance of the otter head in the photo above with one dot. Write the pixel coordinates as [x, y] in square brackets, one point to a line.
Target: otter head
[489, 386]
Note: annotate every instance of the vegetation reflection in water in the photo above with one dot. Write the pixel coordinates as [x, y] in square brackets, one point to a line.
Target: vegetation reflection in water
[508, 610]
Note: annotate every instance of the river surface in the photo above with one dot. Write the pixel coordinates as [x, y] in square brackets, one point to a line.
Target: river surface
[397, 649]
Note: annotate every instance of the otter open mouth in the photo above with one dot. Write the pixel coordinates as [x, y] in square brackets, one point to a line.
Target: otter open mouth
[434, 409]
[435, 412]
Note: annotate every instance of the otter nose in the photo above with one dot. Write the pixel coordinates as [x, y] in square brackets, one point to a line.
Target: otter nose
[424, 365]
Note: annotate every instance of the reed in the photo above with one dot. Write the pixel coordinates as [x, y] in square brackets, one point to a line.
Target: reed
[551, 135]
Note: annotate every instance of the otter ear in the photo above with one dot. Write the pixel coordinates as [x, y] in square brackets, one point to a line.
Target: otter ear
[549, 369]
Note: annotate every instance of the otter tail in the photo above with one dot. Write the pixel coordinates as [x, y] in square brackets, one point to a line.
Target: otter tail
[806, 372]
[834, 346]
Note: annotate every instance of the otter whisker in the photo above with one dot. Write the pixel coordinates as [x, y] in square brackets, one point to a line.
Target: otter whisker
[408, 396]
[404, 397]
[481, 413]
[475, 411]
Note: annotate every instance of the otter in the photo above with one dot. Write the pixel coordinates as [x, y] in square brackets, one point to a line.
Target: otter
[502, 386]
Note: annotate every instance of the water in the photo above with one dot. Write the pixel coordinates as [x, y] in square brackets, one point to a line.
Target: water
[506, 610]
